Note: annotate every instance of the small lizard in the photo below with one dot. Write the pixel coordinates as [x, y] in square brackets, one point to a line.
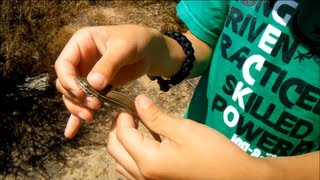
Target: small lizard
[112, 98]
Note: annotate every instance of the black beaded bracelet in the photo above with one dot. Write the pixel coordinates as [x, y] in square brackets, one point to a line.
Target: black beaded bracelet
[186, 67]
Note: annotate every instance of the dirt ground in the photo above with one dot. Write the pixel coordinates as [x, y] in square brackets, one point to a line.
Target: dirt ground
[33, 147]
[85, 157]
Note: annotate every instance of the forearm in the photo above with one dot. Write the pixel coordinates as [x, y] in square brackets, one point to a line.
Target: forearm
[168, 56]
[291, 167]
[294, 167]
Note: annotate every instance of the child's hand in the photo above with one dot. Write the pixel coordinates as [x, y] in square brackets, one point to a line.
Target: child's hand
[189, 149]
[105, 55]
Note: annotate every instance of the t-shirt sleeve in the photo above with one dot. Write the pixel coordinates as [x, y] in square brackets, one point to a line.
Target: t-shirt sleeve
[205, 19]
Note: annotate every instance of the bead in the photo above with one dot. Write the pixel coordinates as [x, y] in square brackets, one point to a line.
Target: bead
[186, 66]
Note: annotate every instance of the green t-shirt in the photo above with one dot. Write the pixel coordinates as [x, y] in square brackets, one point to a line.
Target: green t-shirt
[262, 88]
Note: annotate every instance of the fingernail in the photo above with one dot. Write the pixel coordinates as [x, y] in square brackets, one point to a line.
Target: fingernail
[97, 80]
[88, 104]
[144, 101]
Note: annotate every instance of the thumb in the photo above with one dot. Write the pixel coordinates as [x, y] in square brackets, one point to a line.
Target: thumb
[117, 54]
[157, 120]
[103, 71]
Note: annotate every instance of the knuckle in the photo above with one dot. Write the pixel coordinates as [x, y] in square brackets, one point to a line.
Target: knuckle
[186, 125]
[120, 42]
[58, 86]
[110, 149]
[124, 43]
[118, 168]
[82, 31]
[57, 64]
[111, 146]
[148, 168]
[148, 171]
[81, 34]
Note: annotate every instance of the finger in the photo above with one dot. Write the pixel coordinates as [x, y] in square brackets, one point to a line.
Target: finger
[116, 55]
[65, 67]
[90, 102]
[67, 94]
[123, 171]
[77, 109]
[116, 150]
[102, 73]
[139, 147]
[157, 120]
[72, 127]
[59, 87]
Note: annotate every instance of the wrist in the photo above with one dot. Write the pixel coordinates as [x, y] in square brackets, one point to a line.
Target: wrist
[262, 169]
[304, 166]
[251, 168]
[176, 56]
[185, 69]
[166, 56]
